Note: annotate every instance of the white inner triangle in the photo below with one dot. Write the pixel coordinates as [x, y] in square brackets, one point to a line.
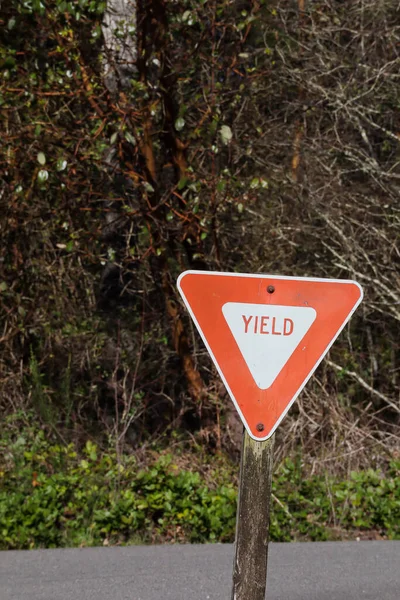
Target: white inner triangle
[267, 335]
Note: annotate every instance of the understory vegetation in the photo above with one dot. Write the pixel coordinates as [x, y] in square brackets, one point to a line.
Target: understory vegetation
[52, 496]
[143, 138]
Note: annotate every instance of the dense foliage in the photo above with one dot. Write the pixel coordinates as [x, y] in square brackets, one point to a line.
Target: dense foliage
[239, 135]
[50, 496]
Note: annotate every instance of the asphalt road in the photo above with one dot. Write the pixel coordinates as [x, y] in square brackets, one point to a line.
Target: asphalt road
[308, 571]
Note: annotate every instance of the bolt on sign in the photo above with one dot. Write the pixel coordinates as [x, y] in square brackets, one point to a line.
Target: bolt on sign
[266, 335]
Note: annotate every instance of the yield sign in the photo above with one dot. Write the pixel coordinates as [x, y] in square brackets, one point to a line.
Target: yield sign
[267, 335]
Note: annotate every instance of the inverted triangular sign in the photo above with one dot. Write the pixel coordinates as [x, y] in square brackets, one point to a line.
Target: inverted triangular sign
[266, 335]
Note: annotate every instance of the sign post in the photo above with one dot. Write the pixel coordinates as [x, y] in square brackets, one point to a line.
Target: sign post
[252, 519]
[266, 335]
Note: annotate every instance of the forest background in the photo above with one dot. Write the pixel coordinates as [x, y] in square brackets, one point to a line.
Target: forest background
[142, 138]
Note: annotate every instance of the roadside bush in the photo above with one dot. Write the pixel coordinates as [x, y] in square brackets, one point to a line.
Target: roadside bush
[50, 497]
[318, 508]
[54, 496]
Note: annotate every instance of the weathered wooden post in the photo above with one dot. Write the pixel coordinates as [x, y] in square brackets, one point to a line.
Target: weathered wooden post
[266, 335]
[252, 520]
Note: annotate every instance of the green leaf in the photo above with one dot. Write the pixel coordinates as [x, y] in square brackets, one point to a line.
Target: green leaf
[148, 187]
[221, 186]
[43, 175]
[254, 183]
[182, 183]
[179, 124]
[129, 138]
[61, 164]
[41, 158]
[226, 134]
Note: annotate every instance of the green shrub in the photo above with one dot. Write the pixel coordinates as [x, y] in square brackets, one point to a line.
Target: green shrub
[52, 496]
[315, 508]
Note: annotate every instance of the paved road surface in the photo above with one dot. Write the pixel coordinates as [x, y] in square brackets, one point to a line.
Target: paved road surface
[309, 571]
